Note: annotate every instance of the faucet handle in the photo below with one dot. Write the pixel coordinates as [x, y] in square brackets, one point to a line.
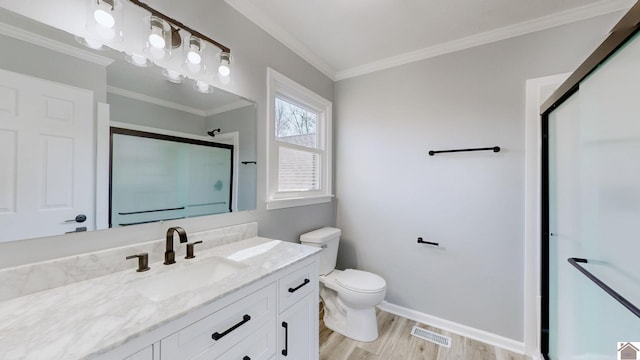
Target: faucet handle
[190, 247]
[143, 261]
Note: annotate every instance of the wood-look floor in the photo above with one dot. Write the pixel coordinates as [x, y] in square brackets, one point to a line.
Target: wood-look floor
[396, 343]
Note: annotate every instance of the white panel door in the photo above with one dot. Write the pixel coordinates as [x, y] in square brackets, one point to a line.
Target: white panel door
[46, 156]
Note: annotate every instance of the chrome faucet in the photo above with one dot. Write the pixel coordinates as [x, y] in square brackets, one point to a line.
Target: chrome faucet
[169, 254]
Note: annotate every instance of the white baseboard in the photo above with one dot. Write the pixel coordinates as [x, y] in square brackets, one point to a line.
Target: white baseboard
[466, 331]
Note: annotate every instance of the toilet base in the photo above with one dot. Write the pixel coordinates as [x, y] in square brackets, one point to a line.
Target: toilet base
[356, 324]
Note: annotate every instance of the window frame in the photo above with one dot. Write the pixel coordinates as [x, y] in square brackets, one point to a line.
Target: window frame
[280, 86]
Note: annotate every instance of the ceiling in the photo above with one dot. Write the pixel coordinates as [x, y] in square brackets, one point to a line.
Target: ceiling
[349, 38]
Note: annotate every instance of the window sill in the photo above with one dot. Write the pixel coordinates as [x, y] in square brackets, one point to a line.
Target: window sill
[301, 201]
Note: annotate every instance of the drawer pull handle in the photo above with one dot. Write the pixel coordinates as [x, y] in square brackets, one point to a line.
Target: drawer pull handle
[246, 358]
[286, 338]
[217, 336]
[292, 290]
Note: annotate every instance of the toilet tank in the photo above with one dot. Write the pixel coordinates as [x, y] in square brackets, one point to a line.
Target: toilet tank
[327, 238]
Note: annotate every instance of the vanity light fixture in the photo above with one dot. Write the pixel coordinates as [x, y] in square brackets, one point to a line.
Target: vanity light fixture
[195, 57]
[194, 50]
[104, 22]
[157, 35]
[103, 14]
[162, 39]
[224, 68]
[202, 87]
[90, 43]
[104, 19]
[138, 60]
[172, 76]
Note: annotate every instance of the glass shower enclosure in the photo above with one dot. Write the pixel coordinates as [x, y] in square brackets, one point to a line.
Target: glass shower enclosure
[155, 177]
[591, 206]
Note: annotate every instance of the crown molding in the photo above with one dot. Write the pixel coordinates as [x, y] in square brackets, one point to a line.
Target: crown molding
[24, 35]
[228, 107]
[175, 106]
[542, 23]
[252, 13]
[155, 101]
[546, 22]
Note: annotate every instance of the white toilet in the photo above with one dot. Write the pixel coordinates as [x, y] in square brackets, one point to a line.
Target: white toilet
[349, 296]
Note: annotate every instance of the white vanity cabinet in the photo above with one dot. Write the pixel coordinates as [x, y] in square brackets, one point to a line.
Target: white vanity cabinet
[232, 326]
[151, 352]
[298, 328]
[248, 324]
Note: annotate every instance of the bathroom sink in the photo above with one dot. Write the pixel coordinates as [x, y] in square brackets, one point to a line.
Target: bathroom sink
[203, 273]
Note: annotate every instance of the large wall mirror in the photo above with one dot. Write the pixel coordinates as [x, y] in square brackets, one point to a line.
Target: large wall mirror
[46, 79]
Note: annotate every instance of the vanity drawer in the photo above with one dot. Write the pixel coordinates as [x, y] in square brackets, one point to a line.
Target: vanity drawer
[259, 345]
[230, 325]
[297, 285]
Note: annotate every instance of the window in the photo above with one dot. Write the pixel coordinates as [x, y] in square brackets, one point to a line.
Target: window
[299, 142]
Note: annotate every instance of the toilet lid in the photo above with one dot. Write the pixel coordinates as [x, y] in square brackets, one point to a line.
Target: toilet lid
[361, 281]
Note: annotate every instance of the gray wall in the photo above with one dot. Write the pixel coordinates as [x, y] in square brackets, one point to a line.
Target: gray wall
[389, 191]
[25, 58]
[253, 51]
[243, 121]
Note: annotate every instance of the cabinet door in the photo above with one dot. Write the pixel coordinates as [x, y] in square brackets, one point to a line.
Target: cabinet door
[298, 330]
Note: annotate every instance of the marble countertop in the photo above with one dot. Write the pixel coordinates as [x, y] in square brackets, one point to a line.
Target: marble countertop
[94, 316]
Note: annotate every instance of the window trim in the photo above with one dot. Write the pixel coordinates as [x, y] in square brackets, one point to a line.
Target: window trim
[286, 89]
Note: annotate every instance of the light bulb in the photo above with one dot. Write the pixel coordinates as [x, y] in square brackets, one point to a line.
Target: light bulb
[194, 56]
[156, 39]
[224, 70]
[104, 18]
[225, 60]
[194, 53]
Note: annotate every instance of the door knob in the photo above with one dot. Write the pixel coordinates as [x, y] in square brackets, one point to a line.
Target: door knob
[78, 219]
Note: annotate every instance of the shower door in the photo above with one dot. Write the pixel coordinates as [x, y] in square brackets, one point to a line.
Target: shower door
[157, 177]
[591, 236]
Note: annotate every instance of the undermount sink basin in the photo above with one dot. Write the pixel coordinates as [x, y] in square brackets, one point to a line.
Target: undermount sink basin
[191, 277]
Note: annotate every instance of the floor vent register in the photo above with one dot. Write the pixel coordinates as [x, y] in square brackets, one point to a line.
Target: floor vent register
[431, 336]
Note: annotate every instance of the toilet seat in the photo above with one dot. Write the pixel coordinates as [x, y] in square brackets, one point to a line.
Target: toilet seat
[361, 281]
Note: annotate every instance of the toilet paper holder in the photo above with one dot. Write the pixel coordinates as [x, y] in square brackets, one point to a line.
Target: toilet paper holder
[420, 241]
